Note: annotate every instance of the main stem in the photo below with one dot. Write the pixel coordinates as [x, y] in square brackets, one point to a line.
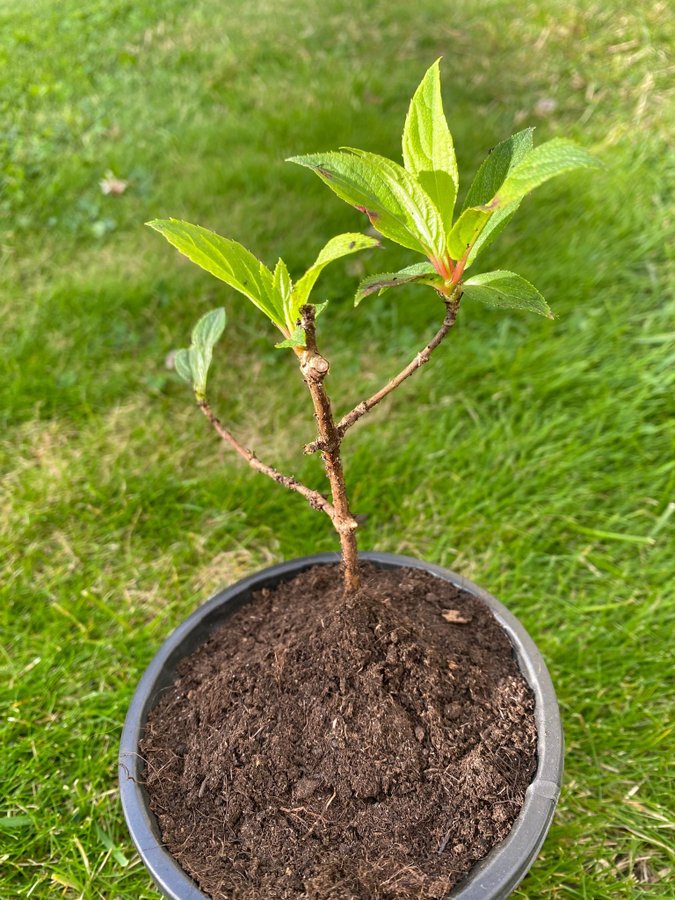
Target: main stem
[314, 368]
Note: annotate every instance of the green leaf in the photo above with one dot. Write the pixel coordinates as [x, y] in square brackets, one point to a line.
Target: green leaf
[505, 290]
[479, 224]
[193, 365]
[496, 166]
[228, 261]
[208, 329]
[493, 227]
[297, 339]
[391, 198]
[283, 286]
[511, 170]
[182, 365]
[428, 151]
[422, 212]
[466, 230]
[204, 336]
[489, 178]
[544, 162]
[422, 272]
[281, 280]
[337, 247]
[199, 366]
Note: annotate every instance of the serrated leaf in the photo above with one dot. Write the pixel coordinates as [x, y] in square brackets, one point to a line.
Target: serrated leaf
[494, 226]
[466, 230]
[337, 247]
[281, 281]
[479, 224]
[297, 339]
[422, 272]
[489, 178]
[283, 286]
[193, 365]
[428, 151]
[496, 166]
[422, 211]
[228, 261]
[391, 198]
[199, 366]
[502, 181]
[553, 158]
[181, 364]
[209, 329]
[505, 290]
[204, 336]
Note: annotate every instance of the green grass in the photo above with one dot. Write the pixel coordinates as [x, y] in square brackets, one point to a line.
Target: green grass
[534, 457]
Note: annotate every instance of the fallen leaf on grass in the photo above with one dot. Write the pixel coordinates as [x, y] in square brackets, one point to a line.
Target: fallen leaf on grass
[110, 184]
[545, 106]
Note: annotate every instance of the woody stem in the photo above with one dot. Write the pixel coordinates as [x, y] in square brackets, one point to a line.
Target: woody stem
[314, 368]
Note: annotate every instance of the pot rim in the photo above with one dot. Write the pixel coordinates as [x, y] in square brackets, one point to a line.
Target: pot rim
[493, 878]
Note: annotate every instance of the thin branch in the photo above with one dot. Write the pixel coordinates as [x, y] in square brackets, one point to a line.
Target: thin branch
[314, 498]
[451, 308]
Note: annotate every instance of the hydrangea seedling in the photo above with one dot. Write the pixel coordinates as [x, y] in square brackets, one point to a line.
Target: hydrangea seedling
[412, 205]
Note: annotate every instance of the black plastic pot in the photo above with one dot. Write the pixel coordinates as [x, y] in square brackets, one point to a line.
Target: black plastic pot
[494, 878]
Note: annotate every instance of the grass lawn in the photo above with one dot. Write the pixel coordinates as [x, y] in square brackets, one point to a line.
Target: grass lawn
[535, 457]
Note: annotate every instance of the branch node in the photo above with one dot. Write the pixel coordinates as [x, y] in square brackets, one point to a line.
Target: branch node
[314, 367]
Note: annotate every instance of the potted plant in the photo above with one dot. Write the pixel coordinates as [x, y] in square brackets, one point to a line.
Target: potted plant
[353, 725]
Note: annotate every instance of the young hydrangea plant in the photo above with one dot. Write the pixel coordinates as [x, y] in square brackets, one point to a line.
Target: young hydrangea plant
[412, 205]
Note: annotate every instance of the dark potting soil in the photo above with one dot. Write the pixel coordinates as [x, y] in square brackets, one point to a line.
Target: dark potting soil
[316, 749]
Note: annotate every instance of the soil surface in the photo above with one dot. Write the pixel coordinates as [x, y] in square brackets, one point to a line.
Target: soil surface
[316, 749]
